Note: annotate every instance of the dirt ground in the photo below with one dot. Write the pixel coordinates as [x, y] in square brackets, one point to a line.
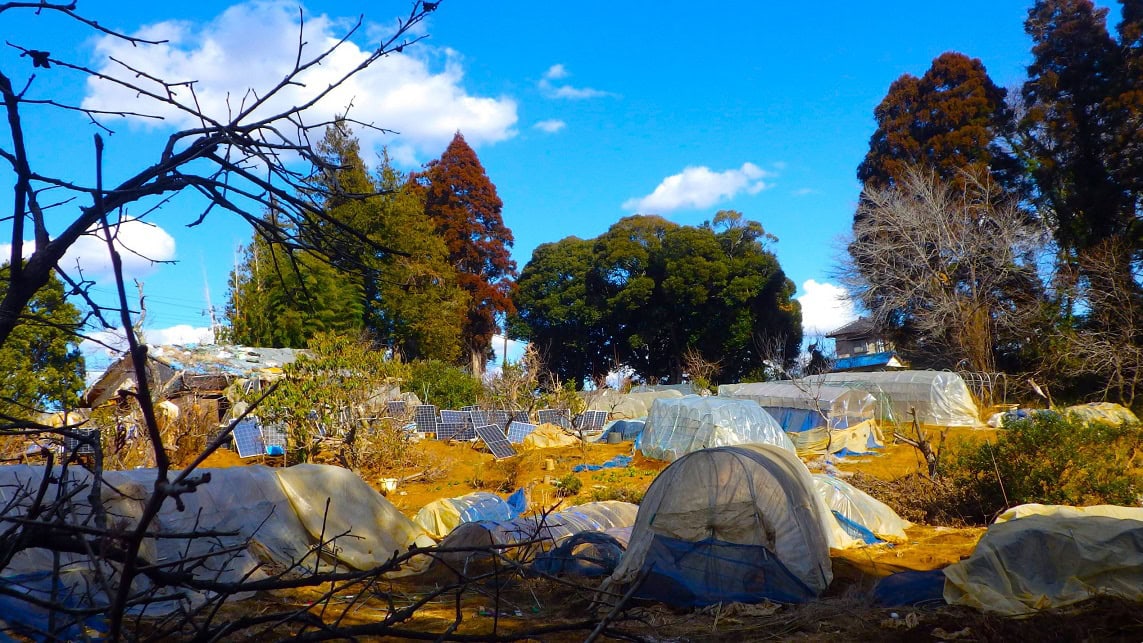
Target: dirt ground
[845, 613]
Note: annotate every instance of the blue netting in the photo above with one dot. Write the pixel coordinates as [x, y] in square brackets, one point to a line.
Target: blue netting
[588, 554]
[911, 588]
[695, 574]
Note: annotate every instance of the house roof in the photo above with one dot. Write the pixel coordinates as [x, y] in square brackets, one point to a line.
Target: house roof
[886, 359]
[859, 326]
[205, 360]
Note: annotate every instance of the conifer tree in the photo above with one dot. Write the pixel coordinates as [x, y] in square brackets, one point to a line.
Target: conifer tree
[462, 202]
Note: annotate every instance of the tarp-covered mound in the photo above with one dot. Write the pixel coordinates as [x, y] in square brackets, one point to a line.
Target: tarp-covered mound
[739, 523]
[625, 406]
[1106, 412]
[1040, 556]
[858, 507]
[800, 408]
[262, 521]
[940, 397]
[548, 436]
[679, 426]
[548, 530]
[590, 554]
[440, 517]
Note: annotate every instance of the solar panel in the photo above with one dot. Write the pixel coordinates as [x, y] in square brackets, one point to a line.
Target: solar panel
[479, 418]
[248, 438]
[592, 420]
[500, 418]
[470, 408]
[559, 417]
[465, 432]
[455, 417]
[517, 431]
[396, 408]
[520, 416]
[274, 438]
[425, 417]
[493, 436]
[75, 446]
[448, 430]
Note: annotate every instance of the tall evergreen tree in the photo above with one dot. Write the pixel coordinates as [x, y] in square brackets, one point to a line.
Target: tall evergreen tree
[463, 204]
[42, 366]
[281, 299]
[951, 120]
[1069, 128]
[411, 300]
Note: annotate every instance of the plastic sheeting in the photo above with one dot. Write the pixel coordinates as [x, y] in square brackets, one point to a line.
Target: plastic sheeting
[276, 515]
[940, 397]
[1106, 412]
[1043, 557]
[799, 407]
[736, 507]
[676, 427]
[626, 406]
[592, 516]
[440, 517]
[548, 436]
[589, 554]
[861, 508]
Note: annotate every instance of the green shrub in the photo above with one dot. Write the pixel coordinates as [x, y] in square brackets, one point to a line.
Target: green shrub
[442, 384]
[1052, 459]
[568, 485]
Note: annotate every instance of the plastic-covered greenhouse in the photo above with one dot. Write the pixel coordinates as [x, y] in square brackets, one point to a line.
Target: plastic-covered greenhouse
[731, 524]
[800, 408]
[941, 398]
[676, 427]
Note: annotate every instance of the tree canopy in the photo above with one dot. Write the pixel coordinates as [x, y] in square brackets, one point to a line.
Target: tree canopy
[463, 205]
[648, 290]
[41, 362]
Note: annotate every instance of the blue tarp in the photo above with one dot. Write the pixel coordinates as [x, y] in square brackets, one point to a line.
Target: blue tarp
[618, 462]
[695, 574]
[911, 589]
[518, 502]
[627, 429]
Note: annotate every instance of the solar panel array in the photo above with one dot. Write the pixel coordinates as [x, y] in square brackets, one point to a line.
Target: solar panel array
[74, 445]
[559, 417]
[493, 436]
[248, 438]
[517, 431]
[425, 417]
[592, 420]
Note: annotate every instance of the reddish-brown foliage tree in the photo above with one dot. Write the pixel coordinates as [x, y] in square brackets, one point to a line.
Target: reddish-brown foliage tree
[464, 206]
[950, 120]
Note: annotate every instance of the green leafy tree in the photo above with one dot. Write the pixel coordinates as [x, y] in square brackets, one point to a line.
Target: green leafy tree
[554, 312]
[463, 204]
[41, 362]
[648, 293]
[411, 299]
[281, 298]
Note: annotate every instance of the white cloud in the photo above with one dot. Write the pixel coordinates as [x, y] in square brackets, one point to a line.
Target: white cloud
[553, 90]
[142, 246]
[106, 346]
[804, 191]
[556, 72]
[248, 48]
[825, 308]
[551, 126]
[700, 187]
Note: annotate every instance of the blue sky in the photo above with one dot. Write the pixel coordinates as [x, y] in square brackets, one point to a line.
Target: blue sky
[580, 112]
